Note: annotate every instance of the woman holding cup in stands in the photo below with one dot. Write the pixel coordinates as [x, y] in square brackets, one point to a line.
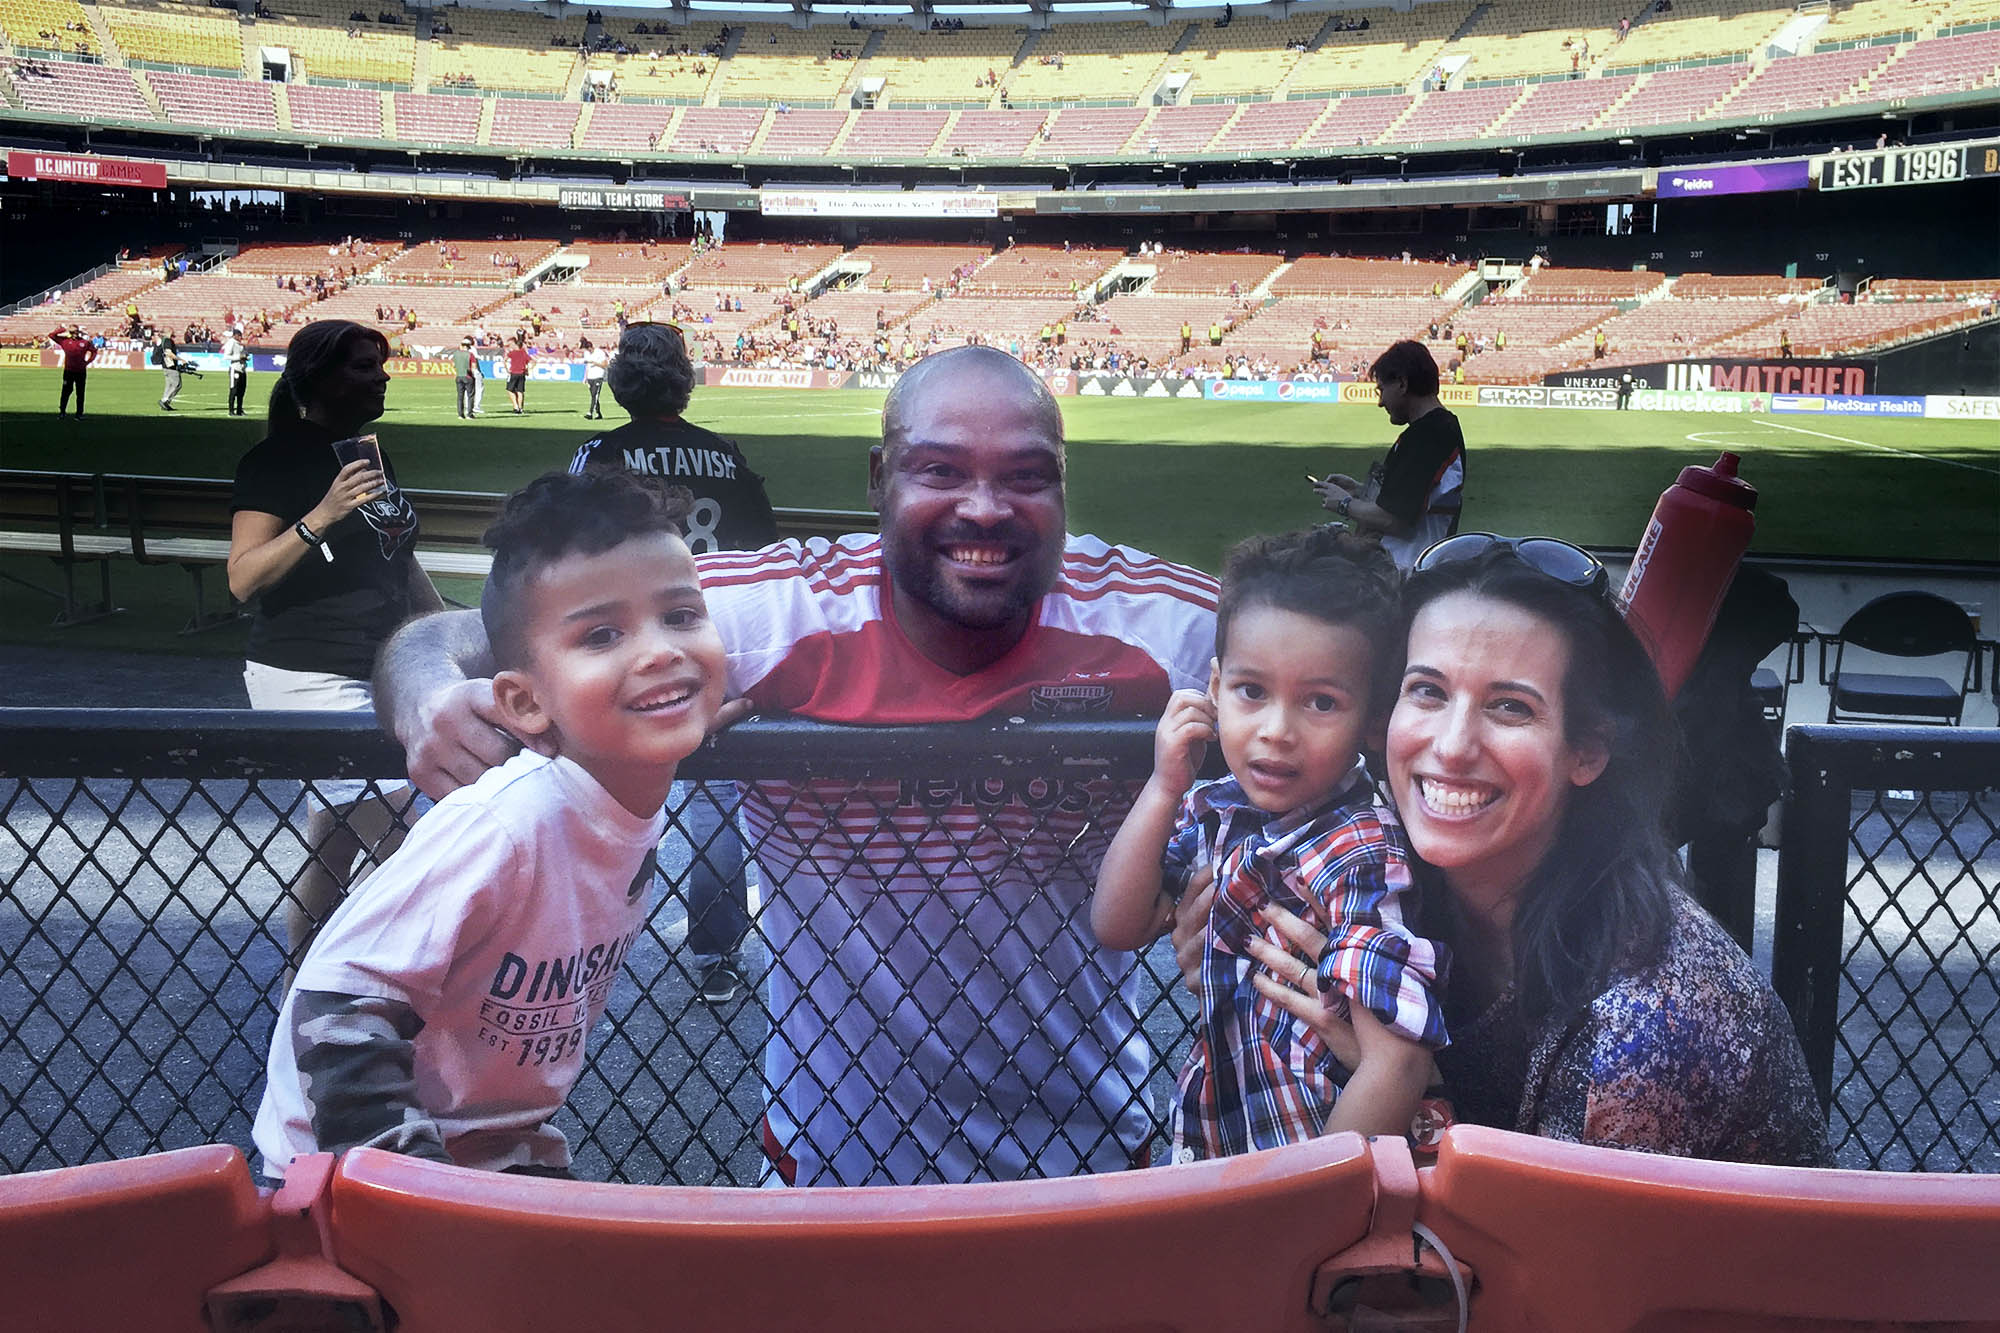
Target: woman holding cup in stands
[323, 542]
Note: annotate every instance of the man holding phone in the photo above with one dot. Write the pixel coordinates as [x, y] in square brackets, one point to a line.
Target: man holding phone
[1413, 496]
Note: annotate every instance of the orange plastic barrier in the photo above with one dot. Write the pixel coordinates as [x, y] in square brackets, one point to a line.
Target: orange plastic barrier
[127, 1245]
[1564, 1237]
[1211, 1246]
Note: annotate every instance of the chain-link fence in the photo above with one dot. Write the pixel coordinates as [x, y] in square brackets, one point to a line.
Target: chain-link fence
[148, 860]
[1888, 939]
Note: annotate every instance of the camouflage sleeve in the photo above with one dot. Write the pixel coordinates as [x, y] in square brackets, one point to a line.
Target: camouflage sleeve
[356, 1059]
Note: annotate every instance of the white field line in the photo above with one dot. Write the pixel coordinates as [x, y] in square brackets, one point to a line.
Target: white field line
[1885, 448]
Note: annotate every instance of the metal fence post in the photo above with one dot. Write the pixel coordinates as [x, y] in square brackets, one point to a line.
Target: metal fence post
[1812, 882]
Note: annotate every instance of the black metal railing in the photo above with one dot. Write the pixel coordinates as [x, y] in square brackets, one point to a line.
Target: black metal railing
[1888, 939]
[146, 859]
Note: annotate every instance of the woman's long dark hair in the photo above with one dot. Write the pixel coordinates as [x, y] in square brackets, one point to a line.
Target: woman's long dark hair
[1602, 899]
[314, 350]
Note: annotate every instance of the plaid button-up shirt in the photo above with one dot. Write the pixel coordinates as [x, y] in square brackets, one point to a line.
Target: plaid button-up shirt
[1257, 1077]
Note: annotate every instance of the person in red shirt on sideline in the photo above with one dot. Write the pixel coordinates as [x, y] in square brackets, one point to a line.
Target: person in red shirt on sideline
[518, 357]
[77, 354]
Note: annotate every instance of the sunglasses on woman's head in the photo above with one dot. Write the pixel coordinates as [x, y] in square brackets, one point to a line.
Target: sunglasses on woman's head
[1545, 555]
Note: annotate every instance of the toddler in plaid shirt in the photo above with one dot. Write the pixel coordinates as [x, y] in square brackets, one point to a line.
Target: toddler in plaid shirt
[1302, 679]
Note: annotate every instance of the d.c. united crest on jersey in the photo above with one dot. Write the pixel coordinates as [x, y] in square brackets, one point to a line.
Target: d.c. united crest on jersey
[1069, 700]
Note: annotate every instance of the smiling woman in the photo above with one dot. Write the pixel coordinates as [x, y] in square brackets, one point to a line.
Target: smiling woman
[1589, 999]
[324, 548]
[1530, 752]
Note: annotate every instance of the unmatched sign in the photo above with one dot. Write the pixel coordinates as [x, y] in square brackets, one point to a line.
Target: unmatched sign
[654, 200]
[878, 204]
[1848, 377]
[1751, 178]
[87, 170]
[1892, 166]
[28, 358]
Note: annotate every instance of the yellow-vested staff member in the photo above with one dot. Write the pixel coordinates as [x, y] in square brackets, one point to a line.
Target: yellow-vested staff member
[326, 552]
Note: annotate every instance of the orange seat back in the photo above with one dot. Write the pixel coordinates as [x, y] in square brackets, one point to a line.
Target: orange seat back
[1565, 1237]
[133, 1244]
[1214, 1245]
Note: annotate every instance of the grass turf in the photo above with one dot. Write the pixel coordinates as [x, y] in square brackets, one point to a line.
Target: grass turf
[1181, 478]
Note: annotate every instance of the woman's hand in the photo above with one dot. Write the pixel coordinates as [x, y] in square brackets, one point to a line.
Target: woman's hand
[1190, 925]
[1290, 980]
[353, 486]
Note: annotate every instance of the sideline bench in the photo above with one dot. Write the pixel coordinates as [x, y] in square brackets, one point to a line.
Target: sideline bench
[80, 520]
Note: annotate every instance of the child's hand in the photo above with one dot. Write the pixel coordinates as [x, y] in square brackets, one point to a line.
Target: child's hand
[1186, 728]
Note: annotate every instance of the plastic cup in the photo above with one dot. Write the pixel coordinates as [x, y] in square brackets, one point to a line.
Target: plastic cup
[365, 448]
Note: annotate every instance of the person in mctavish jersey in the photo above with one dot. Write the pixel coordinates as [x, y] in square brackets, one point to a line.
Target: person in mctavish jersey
[943, 1012]
[652, 377]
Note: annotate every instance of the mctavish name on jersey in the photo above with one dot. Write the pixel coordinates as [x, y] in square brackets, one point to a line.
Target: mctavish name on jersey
[668, 461]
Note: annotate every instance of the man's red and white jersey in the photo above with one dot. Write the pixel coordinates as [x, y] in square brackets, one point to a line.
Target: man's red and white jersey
[945, 1012]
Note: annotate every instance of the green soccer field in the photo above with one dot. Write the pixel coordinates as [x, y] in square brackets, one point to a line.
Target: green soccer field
[1180, 478]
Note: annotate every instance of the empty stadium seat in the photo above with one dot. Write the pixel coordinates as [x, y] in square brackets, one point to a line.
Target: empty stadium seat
[133, 1244]
[1214, 1245]
[1571, 1239]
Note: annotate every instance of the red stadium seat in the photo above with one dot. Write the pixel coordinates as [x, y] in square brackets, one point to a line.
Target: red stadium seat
[1217, 1245]
[1564, 1237]
[134, 1244]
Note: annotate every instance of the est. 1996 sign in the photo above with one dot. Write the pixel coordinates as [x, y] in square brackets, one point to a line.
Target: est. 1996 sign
[1893, 166]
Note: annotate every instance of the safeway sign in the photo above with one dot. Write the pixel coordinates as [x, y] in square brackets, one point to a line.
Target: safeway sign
[87, 170]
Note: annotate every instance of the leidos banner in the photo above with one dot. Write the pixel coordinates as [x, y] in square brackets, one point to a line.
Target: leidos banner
[1959, 407]
[87, 170]
[1753, 178]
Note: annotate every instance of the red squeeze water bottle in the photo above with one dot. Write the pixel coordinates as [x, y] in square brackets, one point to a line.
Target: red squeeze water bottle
[1684, 564]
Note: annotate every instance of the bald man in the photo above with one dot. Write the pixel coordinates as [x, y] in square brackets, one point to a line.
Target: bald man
[941, 1010]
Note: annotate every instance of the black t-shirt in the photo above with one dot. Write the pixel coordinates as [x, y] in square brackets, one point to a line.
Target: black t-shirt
[320, 616]
[1415, 474]
[731, 511]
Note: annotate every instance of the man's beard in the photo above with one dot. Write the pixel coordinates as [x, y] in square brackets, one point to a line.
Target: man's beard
[914, 568]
